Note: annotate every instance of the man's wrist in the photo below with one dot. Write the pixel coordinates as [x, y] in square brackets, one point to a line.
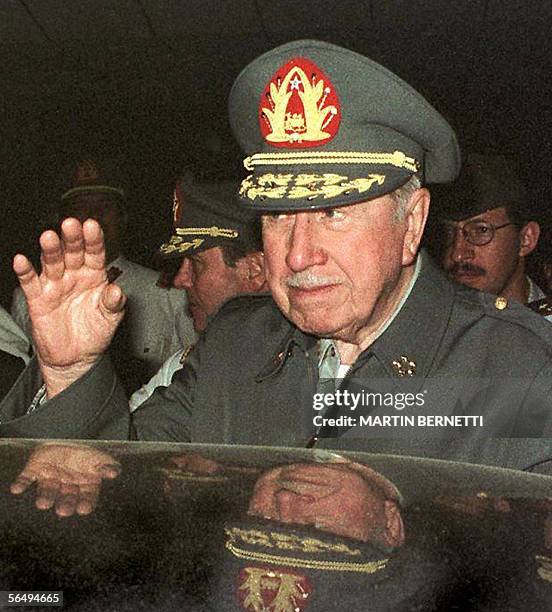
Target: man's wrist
[58, 378]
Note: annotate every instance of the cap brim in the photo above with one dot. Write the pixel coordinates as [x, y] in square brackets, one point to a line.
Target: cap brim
[269, 190]
[106, 189]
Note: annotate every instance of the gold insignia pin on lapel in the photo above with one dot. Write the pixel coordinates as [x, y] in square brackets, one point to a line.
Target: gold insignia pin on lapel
[404, 366]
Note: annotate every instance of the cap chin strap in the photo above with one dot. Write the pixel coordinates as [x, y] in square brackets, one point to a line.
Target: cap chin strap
[214, 231]
[297, 158]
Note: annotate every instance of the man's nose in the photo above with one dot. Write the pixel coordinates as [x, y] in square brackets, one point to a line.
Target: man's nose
[184, 277]
[303, 249]
[460, 249]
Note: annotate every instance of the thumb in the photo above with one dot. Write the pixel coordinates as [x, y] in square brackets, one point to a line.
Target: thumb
[23, 482]
[113, 299]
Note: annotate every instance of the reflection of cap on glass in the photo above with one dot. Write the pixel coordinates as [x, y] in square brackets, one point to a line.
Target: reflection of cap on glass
[90, 176]
[206, 215]
[272, 566]
[486, 182]
[323, 126]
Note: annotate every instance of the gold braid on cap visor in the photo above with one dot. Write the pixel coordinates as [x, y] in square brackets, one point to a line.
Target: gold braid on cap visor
[311, 186]
[178, 244]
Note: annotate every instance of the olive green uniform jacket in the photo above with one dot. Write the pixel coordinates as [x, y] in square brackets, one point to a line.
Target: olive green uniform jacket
[252, 376]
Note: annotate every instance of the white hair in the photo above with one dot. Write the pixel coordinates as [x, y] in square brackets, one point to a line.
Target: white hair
[402, 196]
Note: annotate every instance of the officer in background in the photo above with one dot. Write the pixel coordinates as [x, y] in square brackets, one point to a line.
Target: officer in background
[218, 245]
[156, 323]
[488, 231]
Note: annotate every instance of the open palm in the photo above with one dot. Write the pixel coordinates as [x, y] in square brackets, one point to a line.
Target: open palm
[68, 477]
[74, 311]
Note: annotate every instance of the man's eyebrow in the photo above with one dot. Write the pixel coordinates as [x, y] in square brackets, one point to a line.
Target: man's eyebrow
[479, 218]
[464, 221]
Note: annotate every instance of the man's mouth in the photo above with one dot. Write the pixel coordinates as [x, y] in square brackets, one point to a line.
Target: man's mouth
[308, 283]
[465, 271]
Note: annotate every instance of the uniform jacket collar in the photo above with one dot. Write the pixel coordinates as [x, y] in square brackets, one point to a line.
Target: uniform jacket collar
[419, 327]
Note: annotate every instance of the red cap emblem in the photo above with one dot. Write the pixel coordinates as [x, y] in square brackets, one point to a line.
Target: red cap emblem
[177, 205]
[299, 107]
[272, 590]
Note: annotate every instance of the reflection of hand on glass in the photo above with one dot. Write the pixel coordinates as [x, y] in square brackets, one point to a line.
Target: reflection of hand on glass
[197, 464]
[347, 499]
[67, 477]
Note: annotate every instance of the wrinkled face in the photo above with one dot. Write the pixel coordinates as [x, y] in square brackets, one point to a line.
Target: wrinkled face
[489, 267]
[208, 282]
[331, 498]
[106, 211]
[333, 272]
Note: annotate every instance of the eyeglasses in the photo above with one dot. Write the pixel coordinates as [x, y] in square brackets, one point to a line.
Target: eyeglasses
[478, 233]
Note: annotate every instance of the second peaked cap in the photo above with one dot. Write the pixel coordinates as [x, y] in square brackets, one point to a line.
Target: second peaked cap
[206, 215]
[323, 126]
[93, 175]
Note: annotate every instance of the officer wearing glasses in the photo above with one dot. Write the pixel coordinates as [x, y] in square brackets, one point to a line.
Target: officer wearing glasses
[488, 232]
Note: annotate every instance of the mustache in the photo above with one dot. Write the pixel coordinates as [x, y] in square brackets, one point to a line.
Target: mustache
[308, 280]
[465, 268]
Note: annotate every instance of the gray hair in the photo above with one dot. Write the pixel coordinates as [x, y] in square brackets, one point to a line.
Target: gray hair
[402, 195]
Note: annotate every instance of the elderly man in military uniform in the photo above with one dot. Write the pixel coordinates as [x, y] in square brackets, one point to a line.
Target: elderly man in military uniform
[337, 147]
[489, 231]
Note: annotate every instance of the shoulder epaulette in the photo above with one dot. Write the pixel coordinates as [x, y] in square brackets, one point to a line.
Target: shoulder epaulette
[542, 306]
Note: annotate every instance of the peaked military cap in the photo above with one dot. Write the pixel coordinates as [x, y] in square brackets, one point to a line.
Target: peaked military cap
[485, 182]
[206, 215]
[89, 175]
[323, 126]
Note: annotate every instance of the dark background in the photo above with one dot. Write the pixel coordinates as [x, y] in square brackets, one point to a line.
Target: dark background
[147, 81]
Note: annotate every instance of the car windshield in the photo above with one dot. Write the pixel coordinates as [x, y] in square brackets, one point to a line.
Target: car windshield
[184, 525]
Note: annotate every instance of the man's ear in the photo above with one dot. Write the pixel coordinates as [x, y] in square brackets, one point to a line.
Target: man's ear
[529, 238]
[416, 213]
[394, 526]
[253, 271]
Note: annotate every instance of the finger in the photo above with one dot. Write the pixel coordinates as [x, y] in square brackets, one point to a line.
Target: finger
[195, 463]
[51, 256]
[67, 499]
[73, 241]
[22, 483]
[94, 249]
[110, 471]
[113, 299]
[47, 493]
[27, 276]
[88, 498]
